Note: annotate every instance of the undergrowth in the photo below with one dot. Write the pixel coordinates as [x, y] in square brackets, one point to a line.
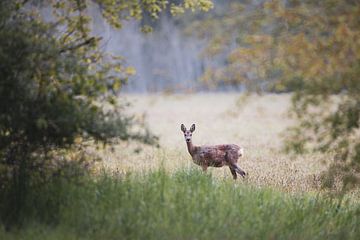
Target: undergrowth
[184, 205]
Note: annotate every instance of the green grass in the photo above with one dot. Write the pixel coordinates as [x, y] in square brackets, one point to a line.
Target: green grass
[185, 205]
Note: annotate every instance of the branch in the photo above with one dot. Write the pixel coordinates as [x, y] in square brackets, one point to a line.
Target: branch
[68, 34]
[86, 42]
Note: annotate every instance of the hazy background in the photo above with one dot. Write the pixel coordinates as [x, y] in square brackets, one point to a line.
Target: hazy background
[171, 58]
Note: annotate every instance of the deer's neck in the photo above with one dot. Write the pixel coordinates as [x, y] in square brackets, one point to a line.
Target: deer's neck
[190, 147]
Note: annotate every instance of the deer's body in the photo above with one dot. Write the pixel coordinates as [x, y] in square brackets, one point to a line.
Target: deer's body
[214, 156]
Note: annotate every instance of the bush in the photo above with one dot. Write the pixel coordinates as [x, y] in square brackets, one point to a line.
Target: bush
[52, 98]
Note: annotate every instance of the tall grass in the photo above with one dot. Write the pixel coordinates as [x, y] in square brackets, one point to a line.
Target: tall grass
[184, 205]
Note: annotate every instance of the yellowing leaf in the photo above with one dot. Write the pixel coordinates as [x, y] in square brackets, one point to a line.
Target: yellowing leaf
[130, 71]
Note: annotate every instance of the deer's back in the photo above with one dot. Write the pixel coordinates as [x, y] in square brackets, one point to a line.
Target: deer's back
[216, 156]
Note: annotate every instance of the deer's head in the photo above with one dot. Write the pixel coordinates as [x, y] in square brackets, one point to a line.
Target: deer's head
[187, 133]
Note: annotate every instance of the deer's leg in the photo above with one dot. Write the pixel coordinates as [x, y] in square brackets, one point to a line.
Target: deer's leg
[204, 168]
[238, 169]
[233, 172]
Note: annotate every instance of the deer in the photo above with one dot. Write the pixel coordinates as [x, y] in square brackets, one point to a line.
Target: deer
[214, 156]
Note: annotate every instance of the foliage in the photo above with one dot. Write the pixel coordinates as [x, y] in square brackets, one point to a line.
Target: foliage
[58, 89]
[185, 205]
[311, 48]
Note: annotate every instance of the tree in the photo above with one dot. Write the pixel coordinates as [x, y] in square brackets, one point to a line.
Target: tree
[58, 89]
[309, 48]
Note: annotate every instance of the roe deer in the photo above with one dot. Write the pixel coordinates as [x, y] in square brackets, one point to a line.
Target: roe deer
[214, 156]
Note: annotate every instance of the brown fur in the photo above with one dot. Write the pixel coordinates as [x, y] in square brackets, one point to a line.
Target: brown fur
[214, 156]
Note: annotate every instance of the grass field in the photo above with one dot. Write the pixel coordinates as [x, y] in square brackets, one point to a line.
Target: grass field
[142, 192]
[254, 122]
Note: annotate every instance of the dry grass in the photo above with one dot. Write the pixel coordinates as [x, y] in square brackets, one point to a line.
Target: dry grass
[253, 122]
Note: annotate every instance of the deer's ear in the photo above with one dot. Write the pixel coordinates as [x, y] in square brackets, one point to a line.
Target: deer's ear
[192, 128]
[183, 128]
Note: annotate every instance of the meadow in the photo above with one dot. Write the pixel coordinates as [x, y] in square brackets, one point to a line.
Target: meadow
[256, 123]
[144, 192]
